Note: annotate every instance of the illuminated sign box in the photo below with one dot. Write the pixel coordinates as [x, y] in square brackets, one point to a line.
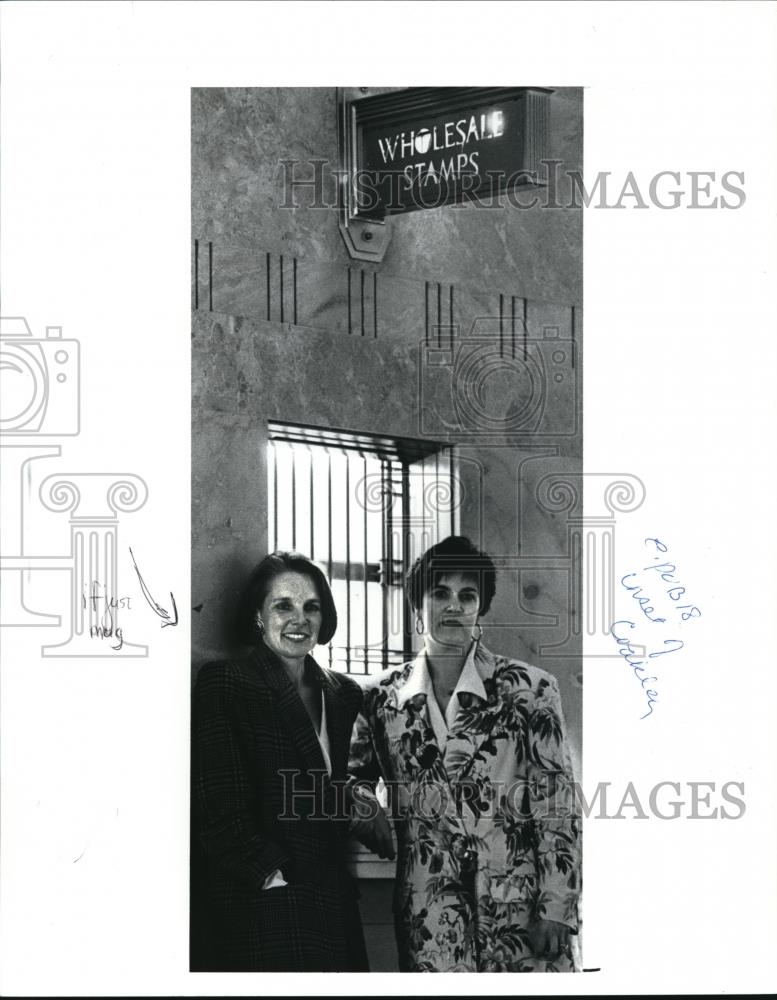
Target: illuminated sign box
[430, 146]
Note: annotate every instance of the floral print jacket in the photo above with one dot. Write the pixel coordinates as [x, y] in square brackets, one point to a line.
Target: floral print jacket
[488, 836]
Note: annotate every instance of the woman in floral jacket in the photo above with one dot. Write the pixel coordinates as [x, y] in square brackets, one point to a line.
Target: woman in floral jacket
[472, 748]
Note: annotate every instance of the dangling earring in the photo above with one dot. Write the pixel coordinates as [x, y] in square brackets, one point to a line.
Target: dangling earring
[479, 636]
[260, 625]
[419, 625]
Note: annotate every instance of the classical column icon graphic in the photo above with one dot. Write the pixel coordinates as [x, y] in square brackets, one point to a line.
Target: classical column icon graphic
[590, 549]
[94, 501]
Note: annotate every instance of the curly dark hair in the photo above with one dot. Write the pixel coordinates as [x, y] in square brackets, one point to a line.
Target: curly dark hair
[258, 586]
[454, 554]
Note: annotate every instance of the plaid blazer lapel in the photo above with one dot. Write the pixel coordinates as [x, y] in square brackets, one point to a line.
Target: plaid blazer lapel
[291, 710]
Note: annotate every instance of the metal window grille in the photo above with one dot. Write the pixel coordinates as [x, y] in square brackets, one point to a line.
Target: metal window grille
[364, 508]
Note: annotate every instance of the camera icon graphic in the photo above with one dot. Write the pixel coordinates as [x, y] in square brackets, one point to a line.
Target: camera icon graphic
[39, 381]
[491, 385]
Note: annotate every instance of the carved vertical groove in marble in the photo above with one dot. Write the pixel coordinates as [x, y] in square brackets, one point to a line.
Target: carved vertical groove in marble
[245, 282]
[362, 302]
[284, 288]
[196, 275]
[280, 288]
[512, 325]
[439, 323]
[210, 276]
[202, 271]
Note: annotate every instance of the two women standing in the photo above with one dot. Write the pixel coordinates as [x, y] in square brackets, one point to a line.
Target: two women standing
[470, 744]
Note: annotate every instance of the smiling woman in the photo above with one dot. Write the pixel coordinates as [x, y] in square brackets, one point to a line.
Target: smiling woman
[290, 620]
[474, 747]
[275, 893]
[292, 616]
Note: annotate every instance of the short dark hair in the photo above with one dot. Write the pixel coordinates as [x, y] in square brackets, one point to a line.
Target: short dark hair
[259, 584]
[454, 554]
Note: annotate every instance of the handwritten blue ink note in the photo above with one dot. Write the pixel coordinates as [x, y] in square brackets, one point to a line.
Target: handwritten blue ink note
[657, 592]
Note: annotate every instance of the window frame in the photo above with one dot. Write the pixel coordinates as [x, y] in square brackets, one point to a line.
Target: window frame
[400, 460]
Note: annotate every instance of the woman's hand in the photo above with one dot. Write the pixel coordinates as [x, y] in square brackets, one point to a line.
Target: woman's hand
[549, 939]
[369, 823]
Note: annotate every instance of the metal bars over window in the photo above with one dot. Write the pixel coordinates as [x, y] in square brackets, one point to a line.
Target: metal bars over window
[363, 507]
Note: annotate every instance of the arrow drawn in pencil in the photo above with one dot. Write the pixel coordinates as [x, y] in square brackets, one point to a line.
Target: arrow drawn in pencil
[156, 608]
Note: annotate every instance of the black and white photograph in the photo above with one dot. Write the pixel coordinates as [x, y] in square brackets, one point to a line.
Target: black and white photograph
[387, 357]
[386, 542]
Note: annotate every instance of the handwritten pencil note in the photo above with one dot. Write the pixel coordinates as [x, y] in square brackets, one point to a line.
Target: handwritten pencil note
[661, 606]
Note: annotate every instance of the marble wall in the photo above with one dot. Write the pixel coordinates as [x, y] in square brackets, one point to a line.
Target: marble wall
[287, 327]
[241, 138]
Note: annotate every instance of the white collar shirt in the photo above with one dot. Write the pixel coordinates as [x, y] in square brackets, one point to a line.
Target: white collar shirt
[419, 681]
[323, 737]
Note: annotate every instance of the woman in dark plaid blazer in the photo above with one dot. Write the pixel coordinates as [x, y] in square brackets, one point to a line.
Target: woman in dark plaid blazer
[270, 749]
